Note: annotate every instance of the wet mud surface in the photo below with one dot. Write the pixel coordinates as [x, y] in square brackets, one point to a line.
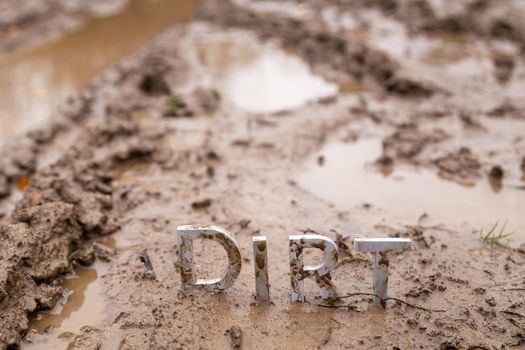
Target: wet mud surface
[353, 119]
[26, 24]
[37, 79]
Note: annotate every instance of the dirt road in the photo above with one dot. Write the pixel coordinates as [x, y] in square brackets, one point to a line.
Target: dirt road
[354, 119]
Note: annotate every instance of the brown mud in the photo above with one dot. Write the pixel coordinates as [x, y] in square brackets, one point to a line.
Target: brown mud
[24, 24]
[398, 130]
[82, 303]
[37, 79]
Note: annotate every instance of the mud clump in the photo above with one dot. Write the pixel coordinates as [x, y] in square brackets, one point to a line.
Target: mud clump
[484, 18]
[145, 83]
[235, 334]
[154, 85]
[20, 293]
[149, 273]
[488, 19]
[461, 166]
[448, 345]
[56, 226]
[505, 109]
[103, 252]
[406, 87]
[205, 101]
[495, 177]
[65, 204]
[23, 158]
[153, 81]
[407, 142]
[200, 102]
[469, 122]
[27, 24]
[20, 160]
[202, 204]
[496, 173]
[4, 186]
[385, 164]
[503, 67]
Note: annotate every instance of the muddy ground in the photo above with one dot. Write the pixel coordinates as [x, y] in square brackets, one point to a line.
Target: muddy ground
[23, 24]
[170, 136]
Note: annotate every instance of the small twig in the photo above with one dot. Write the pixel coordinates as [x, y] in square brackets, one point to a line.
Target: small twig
[343, 306]
[145, 259]
[382, 299]
[510, 290]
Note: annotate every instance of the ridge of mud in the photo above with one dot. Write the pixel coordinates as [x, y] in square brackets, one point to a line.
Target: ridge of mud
[484, 18]
[321, 49]
[65, 205]
[68, 202]
[20, 157]
[27, 23]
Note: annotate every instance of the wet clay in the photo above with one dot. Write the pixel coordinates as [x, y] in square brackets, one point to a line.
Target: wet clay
[159, 142]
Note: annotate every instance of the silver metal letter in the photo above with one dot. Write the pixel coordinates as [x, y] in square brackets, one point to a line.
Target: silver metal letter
[381, 247]
[185, 236]
[321, 273]
[260, 263]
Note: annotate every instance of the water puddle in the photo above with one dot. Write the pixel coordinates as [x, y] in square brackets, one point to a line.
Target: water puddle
[34, 81]
[263, 80]
[129, 173]
[291, 9]
[83, 304]
[347, 177]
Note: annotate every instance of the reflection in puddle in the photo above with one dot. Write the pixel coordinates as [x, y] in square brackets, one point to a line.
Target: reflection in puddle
[348, 178]
[277, 7]
[82, 305]
[34, 81]
[264, 80]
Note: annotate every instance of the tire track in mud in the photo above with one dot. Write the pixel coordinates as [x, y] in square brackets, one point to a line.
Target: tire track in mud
[231, 180]
[322, 49]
